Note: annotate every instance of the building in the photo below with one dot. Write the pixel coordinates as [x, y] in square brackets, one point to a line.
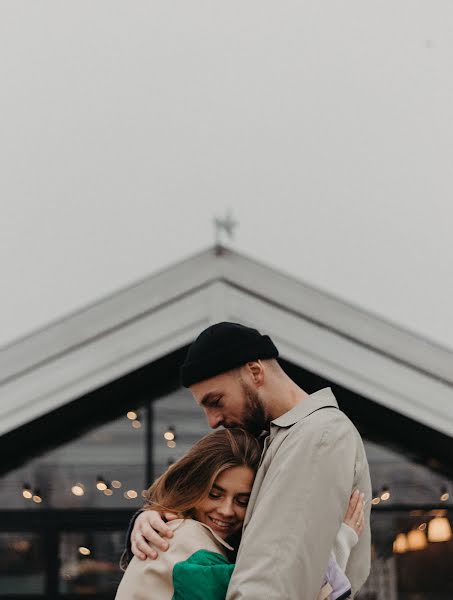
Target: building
[92, 410]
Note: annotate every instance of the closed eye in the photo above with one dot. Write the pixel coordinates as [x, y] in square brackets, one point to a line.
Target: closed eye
[214, 495]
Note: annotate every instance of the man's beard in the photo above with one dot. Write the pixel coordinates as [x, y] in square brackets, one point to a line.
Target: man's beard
[254, 418]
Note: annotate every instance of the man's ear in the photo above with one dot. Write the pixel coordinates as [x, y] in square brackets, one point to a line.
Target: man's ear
[255, 370]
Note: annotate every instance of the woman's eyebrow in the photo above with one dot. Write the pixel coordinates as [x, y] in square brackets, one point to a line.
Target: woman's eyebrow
[217, 487]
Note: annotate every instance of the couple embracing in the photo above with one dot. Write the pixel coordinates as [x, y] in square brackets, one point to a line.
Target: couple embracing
[285, 485]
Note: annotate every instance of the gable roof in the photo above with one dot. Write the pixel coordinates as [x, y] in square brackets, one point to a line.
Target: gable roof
[142, 323]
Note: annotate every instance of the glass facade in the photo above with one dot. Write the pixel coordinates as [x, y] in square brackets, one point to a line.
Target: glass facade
[63, 515]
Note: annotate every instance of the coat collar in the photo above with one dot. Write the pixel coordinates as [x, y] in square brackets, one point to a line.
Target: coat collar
[314, 402]
[177, 522]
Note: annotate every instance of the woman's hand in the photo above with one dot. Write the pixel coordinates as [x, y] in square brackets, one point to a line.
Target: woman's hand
[355, 515]
[148, 533]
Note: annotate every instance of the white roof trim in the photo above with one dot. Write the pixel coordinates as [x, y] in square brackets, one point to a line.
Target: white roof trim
[166, 311]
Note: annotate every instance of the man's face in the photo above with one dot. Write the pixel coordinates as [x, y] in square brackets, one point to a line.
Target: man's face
[229, 401]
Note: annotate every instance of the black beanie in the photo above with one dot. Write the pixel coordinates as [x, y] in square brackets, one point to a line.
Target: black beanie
[223, 347]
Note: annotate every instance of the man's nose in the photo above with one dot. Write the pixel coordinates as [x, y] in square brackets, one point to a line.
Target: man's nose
[214, 420]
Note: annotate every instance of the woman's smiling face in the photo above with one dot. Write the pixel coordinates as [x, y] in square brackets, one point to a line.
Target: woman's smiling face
[223, 510]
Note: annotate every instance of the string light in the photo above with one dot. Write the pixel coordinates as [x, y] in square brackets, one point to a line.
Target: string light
[108, 492]
[444, 495]
[376, 499]
[84, 551]
[37, 497]
[131, 415]
[170, 434]
[116, 484]
[130, 494]
[385, 494]
[100, 484]
[136, 424]
[78, 489]
[26, 491]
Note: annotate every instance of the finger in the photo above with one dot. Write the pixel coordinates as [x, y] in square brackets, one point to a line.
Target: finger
[352, 504]
[154, 523]
[143, 547]
[136, 552]
[358, 507]
[151, 538]
[170, 516]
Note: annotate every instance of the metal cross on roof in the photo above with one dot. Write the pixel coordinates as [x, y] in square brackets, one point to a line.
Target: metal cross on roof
[224, 226]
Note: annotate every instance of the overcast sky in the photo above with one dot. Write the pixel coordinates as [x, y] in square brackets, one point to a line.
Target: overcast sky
[326, 126]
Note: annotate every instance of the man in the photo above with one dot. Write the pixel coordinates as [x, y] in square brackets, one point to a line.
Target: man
[313, 459]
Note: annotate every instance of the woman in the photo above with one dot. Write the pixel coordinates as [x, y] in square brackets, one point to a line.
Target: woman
[209, 489]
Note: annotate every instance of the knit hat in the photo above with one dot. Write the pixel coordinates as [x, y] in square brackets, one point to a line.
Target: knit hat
[223, 347]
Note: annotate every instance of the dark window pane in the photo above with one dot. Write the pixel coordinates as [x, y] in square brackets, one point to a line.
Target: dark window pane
[89, 562]
[180, 412]
[22, 568]
[66, 477]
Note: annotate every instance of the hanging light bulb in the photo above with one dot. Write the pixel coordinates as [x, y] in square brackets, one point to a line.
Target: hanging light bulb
[170, 434]
[116, 484]
[131, 415]
[78, 489]
[130, 494]
[439, 530]
[416, 540]
[100, 483]
[26, 491]
[136, 424]
[400, 545]
[376, 499]
[444, 495]
[385, 494]
[37, 497]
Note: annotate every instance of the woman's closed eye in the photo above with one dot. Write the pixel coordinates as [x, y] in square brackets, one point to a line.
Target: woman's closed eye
[243, 502]
[215, 495]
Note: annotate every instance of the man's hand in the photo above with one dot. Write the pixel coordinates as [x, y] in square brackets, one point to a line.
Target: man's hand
[149, 532]
[355, 514]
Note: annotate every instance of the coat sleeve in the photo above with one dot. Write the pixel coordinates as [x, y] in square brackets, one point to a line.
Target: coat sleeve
[344, 542]
[299, 509]
[203, 576]
[127, 554]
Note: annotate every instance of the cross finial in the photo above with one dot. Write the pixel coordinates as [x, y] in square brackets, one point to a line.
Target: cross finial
[224, 226]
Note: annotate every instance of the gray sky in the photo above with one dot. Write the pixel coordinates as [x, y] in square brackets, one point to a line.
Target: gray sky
[326, 126]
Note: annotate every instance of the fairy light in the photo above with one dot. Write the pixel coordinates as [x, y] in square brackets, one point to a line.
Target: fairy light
[101, 484]
[385, 494]
[26, 491]
[131, 415]
[78, 489]
[37, 497]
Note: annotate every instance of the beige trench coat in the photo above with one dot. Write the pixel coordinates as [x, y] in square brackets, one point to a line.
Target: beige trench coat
[312, 460]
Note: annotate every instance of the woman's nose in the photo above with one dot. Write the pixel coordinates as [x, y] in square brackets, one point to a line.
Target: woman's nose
[226, 508]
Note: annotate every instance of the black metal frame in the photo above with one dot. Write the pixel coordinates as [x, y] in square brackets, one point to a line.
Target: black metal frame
[50, 524]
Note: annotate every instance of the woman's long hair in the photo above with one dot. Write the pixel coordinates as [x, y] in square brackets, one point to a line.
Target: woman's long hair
[189, 480]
